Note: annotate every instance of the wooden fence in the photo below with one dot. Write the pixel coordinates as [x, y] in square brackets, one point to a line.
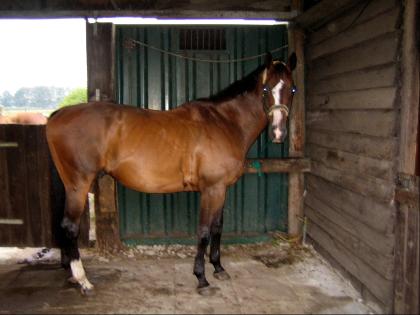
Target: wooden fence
[31, 194]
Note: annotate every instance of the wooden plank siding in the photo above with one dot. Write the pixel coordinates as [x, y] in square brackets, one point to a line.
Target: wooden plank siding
[31, 194]
[331, 30]
[25, 186]
[378, 26]
[352, 131]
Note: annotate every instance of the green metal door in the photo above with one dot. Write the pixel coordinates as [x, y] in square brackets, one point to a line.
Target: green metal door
[149, 78]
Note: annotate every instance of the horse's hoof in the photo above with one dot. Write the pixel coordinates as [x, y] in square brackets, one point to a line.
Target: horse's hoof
[208, 290]
[221, 275]
[87, 292]
[72, 280]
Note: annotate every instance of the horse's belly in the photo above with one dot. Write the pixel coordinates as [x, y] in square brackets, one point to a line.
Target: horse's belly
[154, 182]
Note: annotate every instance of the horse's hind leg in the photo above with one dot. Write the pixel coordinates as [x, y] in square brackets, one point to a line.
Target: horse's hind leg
[75, 202]
[211, 203]
[215, 237]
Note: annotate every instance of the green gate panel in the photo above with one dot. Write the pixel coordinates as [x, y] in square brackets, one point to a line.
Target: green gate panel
[148, 78]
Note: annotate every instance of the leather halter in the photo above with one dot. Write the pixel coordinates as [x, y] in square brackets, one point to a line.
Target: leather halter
[269, 110]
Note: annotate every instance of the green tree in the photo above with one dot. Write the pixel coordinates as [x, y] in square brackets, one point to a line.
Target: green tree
[75, 96]
[22, 97]
[7, 99]
[41, 96]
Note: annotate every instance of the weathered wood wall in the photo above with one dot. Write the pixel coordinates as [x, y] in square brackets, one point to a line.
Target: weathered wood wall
[24, 186]
[352, 132]
[31, 194]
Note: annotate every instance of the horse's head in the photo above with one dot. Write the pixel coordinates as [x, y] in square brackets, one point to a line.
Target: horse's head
[278, 91]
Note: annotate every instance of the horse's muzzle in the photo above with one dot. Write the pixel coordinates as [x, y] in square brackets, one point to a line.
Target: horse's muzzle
[278, 135]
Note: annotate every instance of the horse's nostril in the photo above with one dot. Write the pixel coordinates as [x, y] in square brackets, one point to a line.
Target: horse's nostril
[278, 134]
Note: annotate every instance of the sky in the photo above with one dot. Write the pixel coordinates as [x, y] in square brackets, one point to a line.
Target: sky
[42, 53]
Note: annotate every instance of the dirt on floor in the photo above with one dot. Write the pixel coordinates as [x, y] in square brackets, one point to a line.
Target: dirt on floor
[272, 277]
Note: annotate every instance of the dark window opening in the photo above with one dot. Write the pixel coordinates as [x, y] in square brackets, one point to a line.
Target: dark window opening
[202, 39]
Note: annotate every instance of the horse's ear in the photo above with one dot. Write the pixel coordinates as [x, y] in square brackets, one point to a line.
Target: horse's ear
[291, 63]
[268, 59]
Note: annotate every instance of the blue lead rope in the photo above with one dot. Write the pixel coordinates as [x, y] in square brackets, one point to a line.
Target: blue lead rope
[257, 165]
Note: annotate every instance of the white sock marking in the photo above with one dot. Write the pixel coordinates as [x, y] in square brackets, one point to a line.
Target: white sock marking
[79, 275]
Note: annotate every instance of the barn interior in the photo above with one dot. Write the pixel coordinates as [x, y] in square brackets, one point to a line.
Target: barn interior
[346, 181]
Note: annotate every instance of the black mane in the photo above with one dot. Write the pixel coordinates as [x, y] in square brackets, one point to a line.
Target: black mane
[241, 86]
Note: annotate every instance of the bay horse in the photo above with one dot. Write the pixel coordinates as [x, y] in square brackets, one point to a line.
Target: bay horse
[198, 146]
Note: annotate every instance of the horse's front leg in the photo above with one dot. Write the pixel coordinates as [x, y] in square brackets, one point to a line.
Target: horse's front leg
[211, 204]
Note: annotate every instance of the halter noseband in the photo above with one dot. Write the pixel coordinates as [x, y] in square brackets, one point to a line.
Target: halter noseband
[269, 110]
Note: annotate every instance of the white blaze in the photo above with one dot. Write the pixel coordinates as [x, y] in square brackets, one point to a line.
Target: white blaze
[276, 92]
[277, 113]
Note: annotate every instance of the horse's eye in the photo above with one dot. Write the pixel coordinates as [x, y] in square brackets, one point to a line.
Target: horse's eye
[294, 89]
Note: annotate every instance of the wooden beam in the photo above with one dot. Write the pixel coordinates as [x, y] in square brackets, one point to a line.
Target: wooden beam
[296, 165]
[297, 128]
[106, 215]
[410, 198]
[9, 144]
[323, 12]
[121, 5]
[100, 63]
[409, 122]
[270, 9]
[407, 229]
[407, 246]
[173, 13]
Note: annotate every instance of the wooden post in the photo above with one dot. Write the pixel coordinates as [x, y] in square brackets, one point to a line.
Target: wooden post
[100, 44]
[407, 229]
[297, 129]
[407, 252]
[409, 89]
[100, 63]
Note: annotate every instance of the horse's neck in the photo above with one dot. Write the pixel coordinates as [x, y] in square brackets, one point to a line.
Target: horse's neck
[248, 117]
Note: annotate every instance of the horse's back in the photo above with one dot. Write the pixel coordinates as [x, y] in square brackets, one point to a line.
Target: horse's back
[24, 118]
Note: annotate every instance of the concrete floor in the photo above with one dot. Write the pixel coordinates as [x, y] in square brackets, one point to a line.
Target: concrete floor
[265, 279]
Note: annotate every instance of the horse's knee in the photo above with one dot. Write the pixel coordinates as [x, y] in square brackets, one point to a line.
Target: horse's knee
[70, 228]
[203, 235]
